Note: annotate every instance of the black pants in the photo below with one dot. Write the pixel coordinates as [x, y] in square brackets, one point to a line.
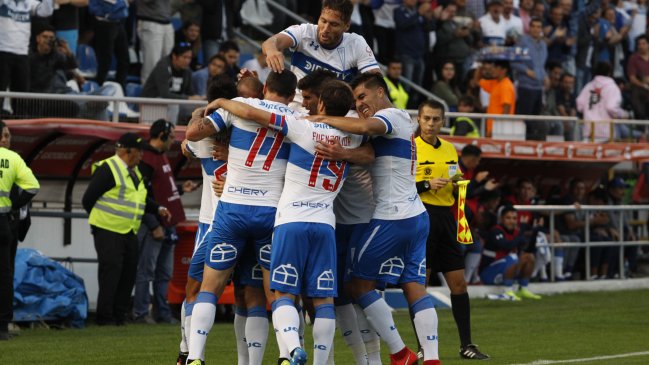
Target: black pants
[14, 73]
[7, 256]
[530, 102]
[110, 38]
[118, 256]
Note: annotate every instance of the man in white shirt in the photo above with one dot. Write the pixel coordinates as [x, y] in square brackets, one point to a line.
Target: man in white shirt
[493, 27]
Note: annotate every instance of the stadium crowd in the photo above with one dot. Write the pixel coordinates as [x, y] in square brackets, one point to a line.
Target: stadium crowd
[438, 45]
[434, 44]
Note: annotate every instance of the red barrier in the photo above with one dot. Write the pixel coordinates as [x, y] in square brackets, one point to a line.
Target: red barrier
[182, 258]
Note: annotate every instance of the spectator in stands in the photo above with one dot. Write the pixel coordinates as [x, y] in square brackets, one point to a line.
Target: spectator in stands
[48, 57]
[201, 78]
[155, 31]
[398, 93]
[110, 38]
[554, 72]
[586, 43]
[617, 38]
[531, 80]
[524, 194]
[566, 105]
[472, 84]
[475, 7]
[219, 20]
[465, 126]
[638, 74]
[616, 194]
[638, 10]
[502, 96]
[362, 21]
[558, 36]
[446, 86]
[15, 22]
[604, 231]
[188, 10]
[513, 24]
[258, 66]
[230, 51]
[538, 10]
[412, 21]
[598, 101]
[191, 33]
[66, 21]
[493, 26]
[171, 77]
[384, 29]
[454, 38]
[507, 255]
[525, 13]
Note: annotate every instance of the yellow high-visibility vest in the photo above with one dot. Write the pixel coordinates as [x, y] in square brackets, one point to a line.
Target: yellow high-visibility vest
[474, 133]
[121, 208]
[13, 170]
[398, 94]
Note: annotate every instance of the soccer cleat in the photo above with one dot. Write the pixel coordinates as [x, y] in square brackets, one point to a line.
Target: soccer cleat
[182, 358]
[526, 294]
[298, 357]
[471, 352]
[195, 362]
[403, 357]
[420, 354]
[512, 295]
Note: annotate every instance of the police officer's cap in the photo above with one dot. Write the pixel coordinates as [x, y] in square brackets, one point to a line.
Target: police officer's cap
[130, 140]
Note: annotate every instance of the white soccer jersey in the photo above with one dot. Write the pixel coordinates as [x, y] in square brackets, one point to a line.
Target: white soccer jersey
[257, 156]
[210, 168]
[350, 57]
[311, 183]
[393, 171]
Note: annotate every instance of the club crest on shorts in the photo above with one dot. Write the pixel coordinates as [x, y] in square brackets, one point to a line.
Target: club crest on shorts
[264, 254]
[286, 275]
[392, 267]
[326, 280]
[257, 274]
[223, 252]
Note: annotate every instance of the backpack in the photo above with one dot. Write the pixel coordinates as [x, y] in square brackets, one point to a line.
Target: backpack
[112, 10]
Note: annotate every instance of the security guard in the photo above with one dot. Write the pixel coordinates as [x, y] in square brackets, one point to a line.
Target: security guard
[398, 94]
[437, 163]
[13, 170]
[116, 200]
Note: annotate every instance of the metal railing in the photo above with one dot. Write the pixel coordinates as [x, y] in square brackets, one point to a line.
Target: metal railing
[552, 210]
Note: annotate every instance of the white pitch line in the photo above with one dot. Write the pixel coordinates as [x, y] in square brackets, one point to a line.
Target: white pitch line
[597, 358]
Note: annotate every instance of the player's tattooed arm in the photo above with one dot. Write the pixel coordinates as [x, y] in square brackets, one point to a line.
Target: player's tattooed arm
[200, 128]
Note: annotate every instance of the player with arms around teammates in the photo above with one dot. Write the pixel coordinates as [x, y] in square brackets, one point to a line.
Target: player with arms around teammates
[303, 258]
[396, 235]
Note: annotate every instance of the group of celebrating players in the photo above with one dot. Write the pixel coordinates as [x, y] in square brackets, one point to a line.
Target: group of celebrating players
[319, 208]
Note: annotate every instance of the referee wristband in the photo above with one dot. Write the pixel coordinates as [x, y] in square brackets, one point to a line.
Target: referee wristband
[423, 186]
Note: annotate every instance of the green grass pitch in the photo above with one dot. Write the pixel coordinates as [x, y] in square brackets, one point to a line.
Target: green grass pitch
[560, 327]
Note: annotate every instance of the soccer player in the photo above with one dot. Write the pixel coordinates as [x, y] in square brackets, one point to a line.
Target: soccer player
[211, 169]
[323, 46]
[353, 209]
[256, 165]
[437, 164]
[393, 248]
[303, 259]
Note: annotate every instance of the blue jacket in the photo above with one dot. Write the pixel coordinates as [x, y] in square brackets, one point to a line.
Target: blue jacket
[411, 31]
[538, 52]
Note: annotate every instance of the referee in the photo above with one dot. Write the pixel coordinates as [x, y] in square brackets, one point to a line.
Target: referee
[13, 170]
[437, 162]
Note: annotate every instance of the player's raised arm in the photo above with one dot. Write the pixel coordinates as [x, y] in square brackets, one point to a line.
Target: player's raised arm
[244, 111]
[367, 127]
[363, 155]
[199, 127]
[273, 48]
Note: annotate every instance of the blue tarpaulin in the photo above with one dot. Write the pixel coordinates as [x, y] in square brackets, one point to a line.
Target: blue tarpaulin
[45, 290]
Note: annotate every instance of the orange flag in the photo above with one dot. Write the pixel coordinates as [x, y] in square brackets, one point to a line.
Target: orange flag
[463, 231]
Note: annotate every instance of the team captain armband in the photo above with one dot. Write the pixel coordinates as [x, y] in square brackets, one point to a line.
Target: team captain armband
[463, 231]
[278, 123]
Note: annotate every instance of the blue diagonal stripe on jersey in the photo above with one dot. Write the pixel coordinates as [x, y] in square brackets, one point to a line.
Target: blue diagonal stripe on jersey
[309, 64]
[242, 140]
[304, 160]
[385, 120]
[395, 147]
[292, 36]
[210, 164]
[218, 122]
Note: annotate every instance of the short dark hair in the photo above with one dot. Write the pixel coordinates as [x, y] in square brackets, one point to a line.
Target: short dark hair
[253, 83]
[471, 150]
[551, 65]
[337, 97]
[181, 48]
[189, 23]
[574, 182]
[160, 126]
[283, 84]
[639, 38]
[345, 7]
[507, 209]
[217, 56]
[522, 181]
[393, 60]
[433, 104]
[314, 81]
[602, 69]
[221, 86]
[45, 28]
[467, 99]
[536, 19]
[370, 80]
[229, 46]
[502, 64]
[567, 74]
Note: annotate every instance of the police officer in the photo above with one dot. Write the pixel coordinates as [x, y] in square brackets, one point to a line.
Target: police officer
[13, 171]
[437, 163]
[116, 200]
